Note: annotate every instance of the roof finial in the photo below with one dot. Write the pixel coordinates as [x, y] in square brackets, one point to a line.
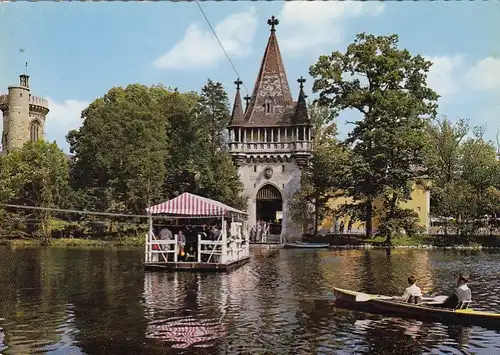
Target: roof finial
[238, 83]
[301, 82]
[247, 99]
[273, 21]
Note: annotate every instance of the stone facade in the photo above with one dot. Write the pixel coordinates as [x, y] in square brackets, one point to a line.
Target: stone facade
[272, 134]
[23, 115]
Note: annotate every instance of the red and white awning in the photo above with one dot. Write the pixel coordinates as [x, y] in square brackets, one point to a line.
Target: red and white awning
[193, 205]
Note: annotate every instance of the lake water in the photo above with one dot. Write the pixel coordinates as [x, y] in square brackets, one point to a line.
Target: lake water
[100, 301]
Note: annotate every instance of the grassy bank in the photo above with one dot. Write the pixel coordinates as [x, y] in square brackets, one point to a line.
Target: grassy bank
[414, 241]
[77, 242]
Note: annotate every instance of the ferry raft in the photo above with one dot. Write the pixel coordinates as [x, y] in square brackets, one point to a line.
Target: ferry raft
[229, 251]
[426, 310]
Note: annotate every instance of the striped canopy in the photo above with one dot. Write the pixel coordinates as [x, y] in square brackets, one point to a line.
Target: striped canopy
[193, 205]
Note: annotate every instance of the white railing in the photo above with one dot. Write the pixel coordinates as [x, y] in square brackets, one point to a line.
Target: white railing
[165, 248]
[270, 146]
[222, 251]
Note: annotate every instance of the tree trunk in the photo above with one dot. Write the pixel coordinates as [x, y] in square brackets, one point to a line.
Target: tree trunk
[368, 217]
[316, 217]
[388, 240]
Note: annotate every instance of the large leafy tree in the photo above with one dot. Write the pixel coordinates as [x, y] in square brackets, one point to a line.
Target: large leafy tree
[387, 86]
[120, 150]
[36, 175]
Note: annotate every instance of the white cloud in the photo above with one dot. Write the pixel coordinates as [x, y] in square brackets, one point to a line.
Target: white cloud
[307, 25]
[62, 118]
[442, 76]
[485, 74]
[199, 48]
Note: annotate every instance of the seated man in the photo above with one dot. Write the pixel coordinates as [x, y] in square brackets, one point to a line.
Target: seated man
[462, 293]
[412, 293]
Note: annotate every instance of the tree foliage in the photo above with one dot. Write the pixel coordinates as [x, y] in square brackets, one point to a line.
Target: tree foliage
[137, 146]
[36, 175]
[466, 175]
[321, 180]
[387, 86]
[142, 145]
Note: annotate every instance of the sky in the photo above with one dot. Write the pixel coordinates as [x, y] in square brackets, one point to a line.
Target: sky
[77, 51]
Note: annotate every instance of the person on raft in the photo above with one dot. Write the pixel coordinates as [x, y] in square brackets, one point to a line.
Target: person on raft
[412, 293]
[462, 293]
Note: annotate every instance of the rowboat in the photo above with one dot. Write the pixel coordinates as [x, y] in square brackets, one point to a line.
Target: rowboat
[301, 245]
[426, 310]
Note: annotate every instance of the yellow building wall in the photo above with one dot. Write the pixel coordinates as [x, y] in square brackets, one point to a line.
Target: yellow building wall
[419, 202]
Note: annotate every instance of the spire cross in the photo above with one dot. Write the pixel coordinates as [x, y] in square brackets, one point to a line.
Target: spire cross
[301, 82]
[247, 98]
[238, 83]
[273, 21]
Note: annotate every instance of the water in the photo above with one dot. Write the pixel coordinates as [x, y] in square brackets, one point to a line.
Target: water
[77, 301]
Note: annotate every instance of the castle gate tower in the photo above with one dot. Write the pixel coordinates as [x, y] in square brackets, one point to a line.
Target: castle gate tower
[270, 141]
[23, 115]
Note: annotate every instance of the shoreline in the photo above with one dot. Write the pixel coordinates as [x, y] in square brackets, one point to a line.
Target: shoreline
[125, 242]
[134, 242]
[427, 247]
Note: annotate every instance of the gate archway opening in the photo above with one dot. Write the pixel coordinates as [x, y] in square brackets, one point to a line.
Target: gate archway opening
[269, 204]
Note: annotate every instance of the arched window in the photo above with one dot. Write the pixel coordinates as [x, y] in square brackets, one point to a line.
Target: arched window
[35, 131]
[269, 105]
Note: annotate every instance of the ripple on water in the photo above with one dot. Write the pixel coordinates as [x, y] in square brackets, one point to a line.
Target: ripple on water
[96, 302]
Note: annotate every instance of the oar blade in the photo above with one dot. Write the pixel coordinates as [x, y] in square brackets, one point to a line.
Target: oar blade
[440, 299]
[364, 297]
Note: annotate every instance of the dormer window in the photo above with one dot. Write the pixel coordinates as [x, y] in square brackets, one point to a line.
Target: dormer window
[269, 105]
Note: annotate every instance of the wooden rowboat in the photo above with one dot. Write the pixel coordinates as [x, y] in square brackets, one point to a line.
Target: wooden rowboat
[425, 311]
[301, 245]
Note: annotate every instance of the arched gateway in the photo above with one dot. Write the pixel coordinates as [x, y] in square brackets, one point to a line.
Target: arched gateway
[269, 207]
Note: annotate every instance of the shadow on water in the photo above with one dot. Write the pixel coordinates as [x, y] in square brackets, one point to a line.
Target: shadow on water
[100, 301]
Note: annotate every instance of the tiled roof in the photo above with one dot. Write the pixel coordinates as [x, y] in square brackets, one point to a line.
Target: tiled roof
[271, 87]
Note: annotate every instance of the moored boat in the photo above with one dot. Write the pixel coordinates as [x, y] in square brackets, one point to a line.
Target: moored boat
[425, 310]
[301, 245]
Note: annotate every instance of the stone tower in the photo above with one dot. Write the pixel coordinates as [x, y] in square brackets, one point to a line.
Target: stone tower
[270, 141]
[23, 115]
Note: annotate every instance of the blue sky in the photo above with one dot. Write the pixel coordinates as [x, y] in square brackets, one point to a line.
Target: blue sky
[77, 51]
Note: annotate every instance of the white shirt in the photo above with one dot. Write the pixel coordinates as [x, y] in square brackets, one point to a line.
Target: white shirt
[463, 293]
[413, 290]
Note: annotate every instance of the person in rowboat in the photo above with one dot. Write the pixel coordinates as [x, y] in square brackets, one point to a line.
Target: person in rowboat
[412, 293]
[462, 292]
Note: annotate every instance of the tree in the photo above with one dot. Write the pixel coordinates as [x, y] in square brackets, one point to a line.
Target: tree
[36, 175]
[120, 150]
[322, 179]
[219, 179]
[388, 87]
[464, 173]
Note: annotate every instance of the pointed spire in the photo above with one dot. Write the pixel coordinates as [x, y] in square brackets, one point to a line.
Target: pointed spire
[247, 100]
[237, 115]
[301, 115]
[271, 87]
[301, 82]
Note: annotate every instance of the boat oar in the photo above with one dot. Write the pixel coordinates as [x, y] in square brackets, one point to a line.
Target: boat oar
[437, 299]
[364, 297]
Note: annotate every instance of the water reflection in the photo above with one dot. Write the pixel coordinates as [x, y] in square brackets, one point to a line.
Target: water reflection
[74, 301]
[173, 309]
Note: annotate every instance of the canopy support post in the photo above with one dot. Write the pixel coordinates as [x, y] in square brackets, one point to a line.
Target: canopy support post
[147, 246]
